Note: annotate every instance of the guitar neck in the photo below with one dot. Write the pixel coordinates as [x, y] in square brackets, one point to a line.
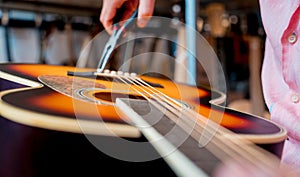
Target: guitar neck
[177, 154]
[183, 150]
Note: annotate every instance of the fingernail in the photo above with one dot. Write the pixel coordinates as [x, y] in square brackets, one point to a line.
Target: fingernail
[142, 22]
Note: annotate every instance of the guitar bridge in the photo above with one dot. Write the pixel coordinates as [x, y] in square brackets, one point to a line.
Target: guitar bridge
[107, 76]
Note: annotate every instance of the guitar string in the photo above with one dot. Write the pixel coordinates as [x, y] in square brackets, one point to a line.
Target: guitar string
[254, 162]
[213, 126]
[253, 152]
[165, 97]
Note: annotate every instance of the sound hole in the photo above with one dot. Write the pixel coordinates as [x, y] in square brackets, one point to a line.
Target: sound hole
[111, 97]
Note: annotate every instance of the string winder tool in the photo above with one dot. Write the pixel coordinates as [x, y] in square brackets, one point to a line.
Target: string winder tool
[118, 29]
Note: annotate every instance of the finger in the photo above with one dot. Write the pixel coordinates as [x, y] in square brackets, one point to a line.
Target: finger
[288, 170]
[129, 8]
[229, 168]
[146, 8]
[107, 22]
[108, 13]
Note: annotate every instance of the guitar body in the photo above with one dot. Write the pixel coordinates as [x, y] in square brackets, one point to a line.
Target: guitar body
[43, 124]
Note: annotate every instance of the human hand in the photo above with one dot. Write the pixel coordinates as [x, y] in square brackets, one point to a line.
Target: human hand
[110, 7]
[232, 168]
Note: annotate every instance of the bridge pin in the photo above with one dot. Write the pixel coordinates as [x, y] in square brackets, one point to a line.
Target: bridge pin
[113, 73]
[133, 74]
[106, 71]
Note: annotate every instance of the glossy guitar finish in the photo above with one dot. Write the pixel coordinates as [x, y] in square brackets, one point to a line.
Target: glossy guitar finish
[39, 106]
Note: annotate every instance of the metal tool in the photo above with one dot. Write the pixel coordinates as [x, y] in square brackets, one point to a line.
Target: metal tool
[108, 49]
[111, 43]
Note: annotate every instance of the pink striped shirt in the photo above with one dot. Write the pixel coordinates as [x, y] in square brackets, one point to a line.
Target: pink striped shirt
[281, 70]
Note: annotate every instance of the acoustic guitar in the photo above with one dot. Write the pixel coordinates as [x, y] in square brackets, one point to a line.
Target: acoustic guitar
[56, 122]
